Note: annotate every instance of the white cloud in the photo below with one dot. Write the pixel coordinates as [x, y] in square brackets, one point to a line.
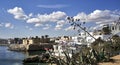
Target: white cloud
[30, 15]
[98, 27]
[9, 25]
[58, 27]
[47, 26]
[53, 17]
[60, 24]
[39, 19]
[38, 25]
[33, 20]
[18, 13]
[99, 16]
[58, 17]
[69, 28]
[53, 6]
[82, 16]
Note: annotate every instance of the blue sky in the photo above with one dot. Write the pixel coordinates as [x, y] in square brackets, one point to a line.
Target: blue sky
[25, 18]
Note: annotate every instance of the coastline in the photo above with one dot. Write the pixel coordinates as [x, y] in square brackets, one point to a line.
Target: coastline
[4, 44]
[13, 57]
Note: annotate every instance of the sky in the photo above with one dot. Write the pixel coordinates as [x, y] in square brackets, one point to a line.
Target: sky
[25, 18]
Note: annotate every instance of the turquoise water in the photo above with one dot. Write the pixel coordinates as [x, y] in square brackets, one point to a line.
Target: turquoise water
[15, 58]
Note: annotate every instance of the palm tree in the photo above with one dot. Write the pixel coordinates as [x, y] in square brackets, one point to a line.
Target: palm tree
[46, 36]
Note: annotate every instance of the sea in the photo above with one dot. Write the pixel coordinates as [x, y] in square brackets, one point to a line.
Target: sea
[8, 57]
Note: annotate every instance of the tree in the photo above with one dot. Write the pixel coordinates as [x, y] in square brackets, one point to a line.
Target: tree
[42, 39]
[46, 36]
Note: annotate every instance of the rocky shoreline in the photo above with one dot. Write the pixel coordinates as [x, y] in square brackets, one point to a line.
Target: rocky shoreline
[4, 44]
[31, 47]
[43, 58]
[16, 47]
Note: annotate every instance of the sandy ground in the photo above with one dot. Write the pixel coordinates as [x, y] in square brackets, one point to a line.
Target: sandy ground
[116, 61]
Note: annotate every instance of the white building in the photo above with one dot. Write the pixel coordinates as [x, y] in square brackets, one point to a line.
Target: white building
[27, 41]
[115, 28]
[85, 39]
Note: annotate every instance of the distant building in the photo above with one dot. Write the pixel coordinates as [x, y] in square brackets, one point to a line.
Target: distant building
[97, 32]
[85, 39]
[63, 38]
[14, 41]
[115, 28]
[36, 40]
[17, 41]
[3, 41]
[27, 41]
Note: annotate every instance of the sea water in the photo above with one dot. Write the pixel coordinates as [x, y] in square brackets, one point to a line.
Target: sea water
[8, 57]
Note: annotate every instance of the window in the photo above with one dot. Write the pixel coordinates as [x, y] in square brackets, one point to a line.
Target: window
[112, 27]
[119, 27]
[78, 39]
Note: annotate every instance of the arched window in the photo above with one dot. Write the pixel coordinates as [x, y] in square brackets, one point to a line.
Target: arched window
[112, 27]
[119, 27]
[115, 27]
[27, 42]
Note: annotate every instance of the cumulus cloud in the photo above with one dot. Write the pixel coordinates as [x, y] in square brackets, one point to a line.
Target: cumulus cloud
[60, 24]
[69, 28]
[38, 19]
[53, 6]
[38, 25]
[47, 26]
[82, 16]
[30, 15]
[9, 25]
[53, 17]
[18, 13]
[33, 20]
[99, 16]
[58, 27]
[58, 17]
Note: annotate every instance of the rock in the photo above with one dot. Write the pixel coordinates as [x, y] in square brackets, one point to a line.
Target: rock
[31, 59]
[43, 58]
[17, 47]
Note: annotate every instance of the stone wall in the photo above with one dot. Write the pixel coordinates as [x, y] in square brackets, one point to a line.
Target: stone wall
[34, 47]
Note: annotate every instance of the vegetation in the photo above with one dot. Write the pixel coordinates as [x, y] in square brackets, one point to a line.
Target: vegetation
[100, 51]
